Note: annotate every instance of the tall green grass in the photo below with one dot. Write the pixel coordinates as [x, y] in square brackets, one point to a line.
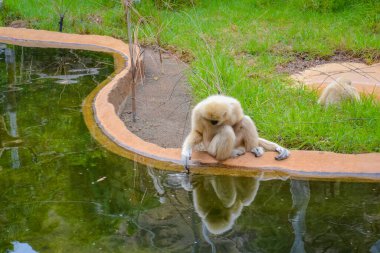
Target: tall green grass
[237, 47]
[81, 16]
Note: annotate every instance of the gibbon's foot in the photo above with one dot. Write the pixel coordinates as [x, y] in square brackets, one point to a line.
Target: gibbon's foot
[237, 152]
[259, 151]
[283, 153]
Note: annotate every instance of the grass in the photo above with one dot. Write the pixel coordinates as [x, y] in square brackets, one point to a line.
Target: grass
[236, 47]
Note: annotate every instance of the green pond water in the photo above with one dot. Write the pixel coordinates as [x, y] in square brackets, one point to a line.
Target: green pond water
[60, 191]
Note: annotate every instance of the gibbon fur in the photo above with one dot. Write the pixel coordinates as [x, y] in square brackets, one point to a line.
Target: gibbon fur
[337, 91]
[220, 124]
[229, 196]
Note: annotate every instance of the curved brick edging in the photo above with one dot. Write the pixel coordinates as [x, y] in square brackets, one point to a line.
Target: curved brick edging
[101, 107]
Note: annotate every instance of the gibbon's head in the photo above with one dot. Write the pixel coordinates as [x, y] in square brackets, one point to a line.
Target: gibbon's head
[219, 110]
[216, 113]
[343, 81]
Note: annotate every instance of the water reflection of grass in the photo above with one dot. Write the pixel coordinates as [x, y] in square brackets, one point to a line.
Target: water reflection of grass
[53, 199]
[236, 48]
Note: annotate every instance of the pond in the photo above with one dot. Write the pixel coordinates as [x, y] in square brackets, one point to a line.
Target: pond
[60, 191]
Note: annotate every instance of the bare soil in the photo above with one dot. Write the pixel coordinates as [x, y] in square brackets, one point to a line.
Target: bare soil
[303, 61]
[19, 24]
[163, 101]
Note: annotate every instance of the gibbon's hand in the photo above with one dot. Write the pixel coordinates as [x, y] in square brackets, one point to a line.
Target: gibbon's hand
[283, 153]
[185, 158]
[186, 183]
[259, 151]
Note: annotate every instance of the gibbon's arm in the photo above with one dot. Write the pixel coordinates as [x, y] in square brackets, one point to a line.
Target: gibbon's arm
[246, 133]
[191, 140]
[283, 153]
[323, 98]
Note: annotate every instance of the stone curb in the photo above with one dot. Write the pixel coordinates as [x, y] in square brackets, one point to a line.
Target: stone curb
[101, 108]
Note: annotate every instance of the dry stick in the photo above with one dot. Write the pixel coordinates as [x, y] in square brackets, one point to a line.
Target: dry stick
[160, 28]
[141, 51]
[159, 50]
[127, 4]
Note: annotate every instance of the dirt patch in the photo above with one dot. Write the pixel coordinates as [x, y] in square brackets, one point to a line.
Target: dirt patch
[304, 61]
[182, 54]
[19, 24]
[97, 19]
[163, 102]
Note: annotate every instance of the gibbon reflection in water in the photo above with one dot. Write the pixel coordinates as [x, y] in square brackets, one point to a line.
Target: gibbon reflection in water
[219, 200]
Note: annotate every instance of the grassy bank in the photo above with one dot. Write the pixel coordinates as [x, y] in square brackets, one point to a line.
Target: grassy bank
[236, 48]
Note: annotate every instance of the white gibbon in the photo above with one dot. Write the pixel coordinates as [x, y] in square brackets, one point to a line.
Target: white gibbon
[220, 124]
[337, 91]
[229, 196]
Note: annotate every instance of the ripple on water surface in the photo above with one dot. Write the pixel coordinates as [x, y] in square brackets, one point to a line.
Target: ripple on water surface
[62, 192]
